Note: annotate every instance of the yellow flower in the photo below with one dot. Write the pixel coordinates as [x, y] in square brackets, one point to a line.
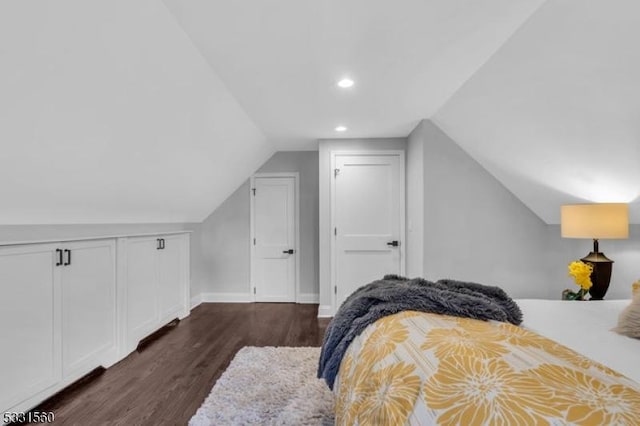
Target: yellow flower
[519, 336]
[388, 333]
[581, 273]
[481, 341]
[348, 400]
[388, 396]
[586, 400]
[474, 391]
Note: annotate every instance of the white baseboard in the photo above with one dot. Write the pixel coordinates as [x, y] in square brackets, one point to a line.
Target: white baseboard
[308, 298]
[196, 300]
[215, 297]
[325, 311]
[227, 297]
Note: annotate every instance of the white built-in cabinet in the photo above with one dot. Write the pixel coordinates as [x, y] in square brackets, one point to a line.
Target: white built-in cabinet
[88, 307]
[67, 308]
[153, 272]
[30, 325]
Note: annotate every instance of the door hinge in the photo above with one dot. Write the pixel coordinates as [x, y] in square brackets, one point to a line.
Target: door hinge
[254, 290]
[336, 172]
[335, 231]
[254, 241]
[254, 191]
[335, 289]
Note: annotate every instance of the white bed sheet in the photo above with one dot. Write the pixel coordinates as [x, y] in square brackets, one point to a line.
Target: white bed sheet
[586, 328]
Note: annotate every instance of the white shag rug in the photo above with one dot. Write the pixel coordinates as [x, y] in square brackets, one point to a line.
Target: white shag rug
[269, 386]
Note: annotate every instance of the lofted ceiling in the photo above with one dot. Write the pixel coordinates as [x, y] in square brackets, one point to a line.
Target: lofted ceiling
[555, 113]
[544, 94]
[157, 110]
[109, 114]
[282, 58]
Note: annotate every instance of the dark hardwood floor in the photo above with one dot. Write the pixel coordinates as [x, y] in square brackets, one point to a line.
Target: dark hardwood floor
[167, 381]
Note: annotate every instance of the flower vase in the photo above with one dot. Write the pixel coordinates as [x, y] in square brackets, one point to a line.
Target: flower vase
[574, 295]
[581, 294]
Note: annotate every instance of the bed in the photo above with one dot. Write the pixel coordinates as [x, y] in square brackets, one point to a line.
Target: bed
[562, 366]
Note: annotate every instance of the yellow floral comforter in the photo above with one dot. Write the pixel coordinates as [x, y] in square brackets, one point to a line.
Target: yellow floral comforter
[420, 368]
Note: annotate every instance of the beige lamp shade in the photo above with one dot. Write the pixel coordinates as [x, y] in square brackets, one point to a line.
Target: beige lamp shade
[596, 221]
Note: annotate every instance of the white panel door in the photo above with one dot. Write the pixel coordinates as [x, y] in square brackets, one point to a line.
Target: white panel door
[368, 212]
[88, 305]
[29, 322]
[142, 288]
[170, 281]
[274, 260]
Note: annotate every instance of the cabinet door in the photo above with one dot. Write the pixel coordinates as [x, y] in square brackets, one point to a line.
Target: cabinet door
[171, 286]
[29, 322]
[88, 305]
[141, 288]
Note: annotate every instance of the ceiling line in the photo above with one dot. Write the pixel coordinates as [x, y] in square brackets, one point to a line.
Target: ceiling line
[486, 61]
[217, 75]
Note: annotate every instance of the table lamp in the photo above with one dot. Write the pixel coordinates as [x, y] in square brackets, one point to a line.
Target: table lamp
[596, 221]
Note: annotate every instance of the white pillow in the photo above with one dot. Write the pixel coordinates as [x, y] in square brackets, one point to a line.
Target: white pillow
[629, 319]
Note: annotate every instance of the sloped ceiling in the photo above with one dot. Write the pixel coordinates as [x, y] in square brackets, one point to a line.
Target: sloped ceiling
[555, 113]
[543, 94]
[110, 114]
[282, 58]
[144, 111]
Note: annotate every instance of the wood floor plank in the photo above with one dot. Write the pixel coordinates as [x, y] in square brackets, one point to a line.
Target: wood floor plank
[167, 381]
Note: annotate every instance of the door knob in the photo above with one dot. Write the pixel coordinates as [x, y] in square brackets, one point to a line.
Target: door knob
[393, 243]
[290, 251]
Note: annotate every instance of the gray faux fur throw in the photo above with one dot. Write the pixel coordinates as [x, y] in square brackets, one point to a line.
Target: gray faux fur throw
[395, 294]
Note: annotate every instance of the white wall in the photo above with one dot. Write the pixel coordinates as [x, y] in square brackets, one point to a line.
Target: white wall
[225, 233]
[220, 256]
[325, 146]
[225, 246]
[415, 203]
[475, 229]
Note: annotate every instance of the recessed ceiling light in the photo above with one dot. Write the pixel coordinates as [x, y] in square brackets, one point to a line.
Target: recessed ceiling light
[345, 83]
[341, 129]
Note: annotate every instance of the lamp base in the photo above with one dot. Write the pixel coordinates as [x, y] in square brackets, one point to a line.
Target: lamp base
[601, 274]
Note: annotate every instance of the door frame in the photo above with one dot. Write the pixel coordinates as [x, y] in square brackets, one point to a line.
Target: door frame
[402, 200]
[296, 194]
